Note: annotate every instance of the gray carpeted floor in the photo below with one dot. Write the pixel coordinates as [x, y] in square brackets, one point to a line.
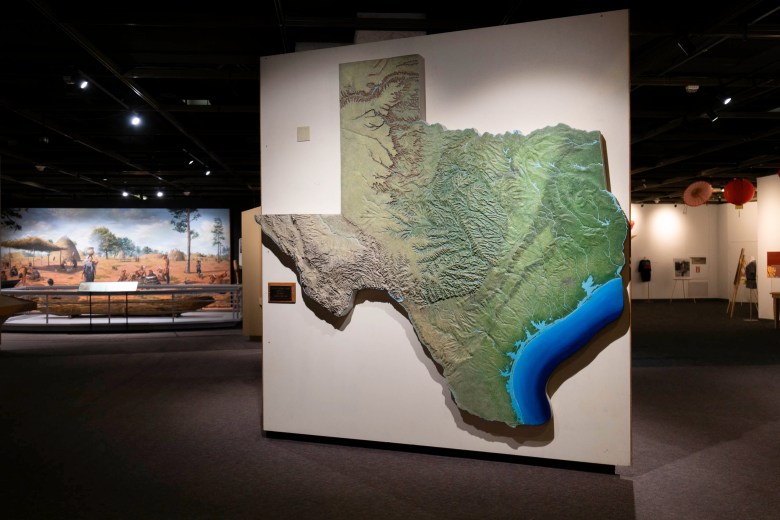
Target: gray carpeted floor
[168, 426]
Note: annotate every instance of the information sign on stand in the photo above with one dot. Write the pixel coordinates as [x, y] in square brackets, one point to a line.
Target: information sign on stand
[108, 286]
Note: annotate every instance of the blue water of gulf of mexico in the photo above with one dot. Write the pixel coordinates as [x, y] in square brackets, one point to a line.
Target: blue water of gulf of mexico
[535, 361]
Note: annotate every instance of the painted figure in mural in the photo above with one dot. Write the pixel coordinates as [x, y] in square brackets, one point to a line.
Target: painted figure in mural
[151, 278]
[198, 268]
[90, 266]
[122, 276]
[166, 269]
[22, 275]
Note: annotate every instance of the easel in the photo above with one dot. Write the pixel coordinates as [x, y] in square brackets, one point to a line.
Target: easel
[733, 300]
[752, 302]
[684, 282]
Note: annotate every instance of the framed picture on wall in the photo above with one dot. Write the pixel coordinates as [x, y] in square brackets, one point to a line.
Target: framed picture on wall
[682, 267]
[773, 264]
[698, 267]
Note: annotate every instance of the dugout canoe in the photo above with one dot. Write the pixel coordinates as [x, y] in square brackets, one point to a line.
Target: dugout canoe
[137, 305]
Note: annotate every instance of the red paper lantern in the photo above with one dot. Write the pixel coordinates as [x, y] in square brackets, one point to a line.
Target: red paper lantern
[739, 191]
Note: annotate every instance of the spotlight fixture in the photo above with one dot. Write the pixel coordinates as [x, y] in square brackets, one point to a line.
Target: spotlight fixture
[135, 119]
[208, 172]
[691, 89]
[125, 194]
[83, 84]
[723, 96]
[159, 194]
[712, 115]
[191, 161]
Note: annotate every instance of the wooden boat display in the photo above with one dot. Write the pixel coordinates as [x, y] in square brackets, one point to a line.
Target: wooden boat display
[136, 304]
[9, 284]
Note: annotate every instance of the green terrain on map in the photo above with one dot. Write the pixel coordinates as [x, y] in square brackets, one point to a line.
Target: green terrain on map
[480, 237]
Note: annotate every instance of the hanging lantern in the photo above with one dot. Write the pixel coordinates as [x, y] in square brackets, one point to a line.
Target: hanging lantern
[738, 192]
[697, 193]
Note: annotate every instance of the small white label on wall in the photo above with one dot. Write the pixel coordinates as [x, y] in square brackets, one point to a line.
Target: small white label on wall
[304, 134]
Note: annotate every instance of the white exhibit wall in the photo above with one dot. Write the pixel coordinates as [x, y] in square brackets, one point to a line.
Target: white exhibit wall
[768, 240]
[717, 232]
[370, 378]
[663, 232]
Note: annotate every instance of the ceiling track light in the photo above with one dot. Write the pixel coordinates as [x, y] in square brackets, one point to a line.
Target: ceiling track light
[135, 119]
[712, 115]
[193, 160]
[686, 46]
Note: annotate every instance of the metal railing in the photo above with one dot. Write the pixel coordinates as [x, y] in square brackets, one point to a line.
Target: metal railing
[180, 303]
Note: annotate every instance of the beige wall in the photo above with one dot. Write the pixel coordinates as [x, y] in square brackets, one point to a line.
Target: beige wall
[251, 273]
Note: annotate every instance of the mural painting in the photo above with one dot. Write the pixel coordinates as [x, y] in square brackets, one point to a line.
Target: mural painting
[67, 246]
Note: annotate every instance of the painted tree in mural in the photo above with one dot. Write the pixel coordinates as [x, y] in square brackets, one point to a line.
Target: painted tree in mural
[9, 218]
[182, 222]
[126, 246]
[218, 234]
[105, 239]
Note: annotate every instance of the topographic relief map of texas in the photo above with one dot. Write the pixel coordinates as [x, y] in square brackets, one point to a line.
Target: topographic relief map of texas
[505, 250]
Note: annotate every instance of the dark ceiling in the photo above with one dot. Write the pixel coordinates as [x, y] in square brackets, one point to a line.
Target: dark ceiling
[61, 146]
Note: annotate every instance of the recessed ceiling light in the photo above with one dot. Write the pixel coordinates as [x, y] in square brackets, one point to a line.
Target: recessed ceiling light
[135, 120]
[159, 194]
